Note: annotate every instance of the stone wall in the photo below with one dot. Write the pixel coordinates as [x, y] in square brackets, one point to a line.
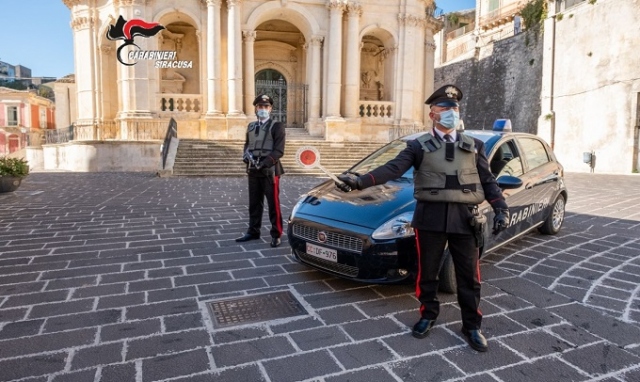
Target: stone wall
[503, 80]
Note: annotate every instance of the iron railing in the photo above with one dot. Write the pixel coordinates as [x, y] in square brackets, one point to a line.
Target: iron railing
[63, 135]
[172, 132]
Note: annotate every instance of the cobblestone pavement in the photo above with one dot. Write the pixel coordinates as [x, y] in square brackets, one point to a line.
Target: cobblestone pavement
[106, 277]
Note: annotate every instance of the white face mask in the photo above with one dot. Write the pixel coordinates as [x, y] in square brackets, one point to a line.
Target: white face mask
[263, 113]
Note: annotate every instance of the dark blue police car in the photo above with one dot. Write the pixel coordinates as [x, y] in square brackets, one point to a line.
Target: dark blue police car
[366, 235]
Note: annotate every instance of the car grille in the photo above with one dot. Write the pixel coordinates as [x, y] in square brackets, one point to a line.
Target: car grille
[345, 270]
[334, 239]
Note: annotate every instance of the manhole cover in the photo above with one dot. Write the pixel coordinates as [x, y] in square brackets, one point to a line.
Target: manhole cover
[257, 308]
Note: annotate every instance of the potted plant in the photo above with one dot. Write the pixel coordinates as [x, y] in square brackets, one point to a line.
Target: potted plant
[12, 170]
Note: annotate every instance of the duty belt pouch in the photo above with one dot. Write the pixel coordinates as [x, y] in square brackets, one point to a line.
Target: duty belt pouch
[478, 222]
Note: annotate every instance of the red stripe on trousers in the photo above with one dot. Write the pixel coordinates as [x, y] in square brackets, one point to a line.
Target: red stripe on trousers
[276, 198]
[419, 271]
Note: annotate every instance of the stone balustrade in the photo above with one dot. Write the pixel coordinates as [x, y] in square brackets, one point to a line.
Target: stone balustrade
[190, 103]
[376, 109]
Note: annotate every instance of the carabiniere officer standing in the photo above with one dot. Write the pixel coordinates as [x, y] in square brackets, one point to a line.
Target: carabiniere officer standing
[263, 148]
[451, 178]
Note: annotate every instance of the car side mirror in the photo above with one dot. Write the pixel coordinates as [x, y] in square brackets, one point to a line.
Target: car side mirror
[508, 182]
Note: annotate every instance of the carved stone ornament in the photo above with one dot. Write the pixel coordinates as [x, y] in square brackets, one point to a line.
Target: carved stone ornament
[71, 3]
[316, 40]
[411, 20]
[249, 36]
[354, 9]
[336, 5]
[211, 3]
[82, 22]
[233, 3]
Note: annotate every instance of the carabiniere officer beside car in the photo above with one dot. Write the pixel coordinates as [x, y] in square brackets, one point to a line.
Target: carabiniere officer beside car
[263, 148]
[451, 178]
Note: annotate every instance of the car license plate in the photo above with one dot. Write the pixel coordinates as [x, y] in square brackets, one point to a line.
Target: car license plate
[322, 253]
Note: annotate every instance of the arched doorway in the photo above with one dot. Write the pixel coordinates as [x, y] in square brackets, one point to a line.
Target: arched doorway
[272, 83]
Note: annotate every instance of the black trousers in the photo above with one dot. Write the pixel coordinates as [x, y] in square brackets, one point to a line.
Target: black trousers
[259, 188]
[464, 253]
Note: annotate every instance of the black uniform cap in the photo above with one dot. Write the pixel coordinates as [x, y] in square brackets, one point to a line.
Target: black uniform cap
[448, 95]
[263, 99]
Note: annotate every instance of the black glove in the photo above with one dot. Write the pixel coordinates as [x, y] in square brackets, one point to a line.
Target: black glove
[500, 220]
[349, 182]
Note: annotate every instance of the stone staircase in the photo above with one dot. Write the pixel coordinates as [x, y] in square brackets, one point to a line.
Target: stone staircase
[224, 157]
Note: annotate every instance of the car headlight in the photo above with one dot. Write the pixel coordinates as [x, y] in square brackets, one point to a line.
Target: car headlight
[399, 226]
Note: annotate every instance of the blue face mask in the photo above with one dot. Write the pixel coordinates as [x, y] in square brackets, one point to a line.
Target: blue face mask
[263, 113]
[449, 119]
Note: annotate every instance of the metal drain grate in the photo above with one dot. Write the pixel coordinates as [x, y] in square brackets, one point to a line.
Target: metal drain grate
[257, 308]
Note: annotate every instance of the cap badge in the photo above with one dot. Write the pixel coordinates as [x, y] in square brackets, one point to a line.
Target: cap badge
[451, 92]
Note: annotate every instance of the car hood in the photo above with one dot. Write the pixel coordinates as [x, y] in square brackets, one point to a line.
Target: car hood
[366, 208]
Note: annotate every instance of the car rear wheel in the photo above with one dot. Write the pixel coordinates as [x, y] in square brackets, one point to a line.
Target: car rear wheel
[447, 274]
[553, 223]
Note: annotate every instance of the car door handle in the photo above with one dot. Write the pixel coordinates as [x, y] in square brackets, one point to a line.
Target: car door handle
[528, 186]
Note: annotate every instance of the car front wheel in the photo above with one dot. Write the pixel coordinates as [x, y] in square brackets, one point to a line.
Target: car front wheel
[553, 223]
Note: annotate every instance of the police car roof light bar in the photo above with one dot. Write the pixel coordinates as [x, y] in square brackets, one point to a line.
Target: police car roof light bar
[502, 125]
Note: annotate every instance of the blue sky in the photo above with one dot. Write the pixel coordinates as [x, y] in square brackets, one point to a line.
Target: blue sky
[36, 34]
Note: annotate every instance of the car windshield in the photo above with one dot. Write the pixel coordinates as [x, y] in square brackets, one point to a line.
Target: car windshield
[390, 151]
[382, 156]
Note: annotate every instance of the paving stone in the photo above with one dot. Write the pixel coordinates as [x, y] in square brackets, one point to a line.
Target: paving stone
[545, 369]
[202, 278]
[58, 308]
[72, 283]
[240, 334]
[13, 279]
[78, 376]
[17, 368]
[407, 346]
[533, 317]
[167, 343]
[97, 355]
[367, 375]
[325, 300]
[536, 344]
[362, 354]
[372, 328]
[20, 329]
[161, 309]
[165, 272]
[121, 277]
[8, 315]
[79, 272]
[301, 367]
[340, 315]
[130, 329]
[601, 358]
[243, 352]
[13, 289]
[100, 290]
[594, 322]
[471, 361]
[231, 286]
[119, 373]
[121, 300]
[147, 285]
[183, 322]
[497, 325]
[45, 342]
[82, 320]
[35, 298]
[388, 305]
[430, 368]
[319, 337]
[174, 365]
[249, 373]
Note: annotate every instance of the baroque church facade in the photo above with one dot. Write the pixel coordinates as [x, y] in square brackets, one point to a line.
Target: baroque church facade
[342, 70]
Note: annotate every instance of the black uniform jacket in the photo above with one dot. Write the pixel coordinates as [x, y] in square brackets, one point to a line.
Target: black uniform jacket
[273, 158]
[432, 216]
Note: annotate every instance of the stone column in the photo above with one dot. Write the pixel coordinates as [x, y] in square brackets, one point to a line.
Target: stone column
[406, 86]
[213, 56]
[313, 77]
[234, 58]
[429, 71]
[334, 66]
[249, 68]
[352, 78]
[84, 64]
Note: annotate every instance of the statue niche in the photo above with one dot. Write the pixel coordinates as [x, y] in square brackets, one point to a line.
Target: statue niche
[172, 82]
[371, 71]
